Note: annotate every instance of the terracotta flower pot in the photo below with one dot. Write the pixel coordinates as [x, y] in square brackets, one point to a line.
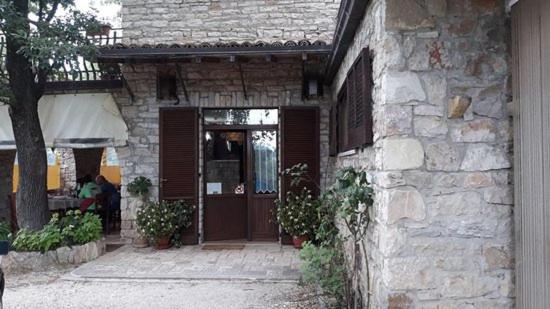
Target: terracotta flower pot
[163, 243]
[299, 240]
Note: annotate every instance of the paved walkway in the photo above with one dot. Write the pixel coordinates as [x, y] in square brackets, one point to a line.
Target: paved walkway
[255, 262]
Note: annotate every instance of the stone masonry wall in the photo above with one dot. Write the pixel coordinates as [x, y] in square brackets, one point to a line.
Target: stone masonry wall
[193, 21]
[442, 236]
[269, 84]
[67, 168]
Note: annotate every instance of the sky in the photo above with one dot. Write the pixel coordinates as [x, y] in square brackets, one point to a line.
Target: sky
[105, 12]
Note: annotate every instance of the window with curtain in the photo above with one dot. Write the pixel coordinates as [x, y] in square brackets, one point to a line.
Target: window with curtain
[264, 145]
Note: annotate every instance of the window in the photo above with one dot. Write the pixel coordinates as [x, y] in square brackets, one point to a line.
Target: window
[167, 88]
[241, 116]
[352, 125]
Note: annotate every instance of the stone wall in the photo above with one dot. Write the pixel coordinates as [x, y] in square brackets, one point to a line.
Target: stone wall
[192, 21]
[7, 157]
[67, 168]
[269, 84]
[442, 235]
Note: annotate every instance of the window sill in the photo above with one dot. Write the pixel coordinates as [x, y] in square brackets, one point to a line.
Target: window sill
[347, 153]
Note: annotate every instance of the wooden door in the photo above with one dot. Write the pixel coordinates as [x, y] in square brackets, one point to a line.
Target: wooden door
[531, 76]
[300, 144]
[263, 186]
[179, 160]
[225, 202]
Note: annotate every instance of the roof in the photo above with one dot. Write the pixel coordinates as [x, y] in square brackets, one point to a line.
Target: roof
[145, 52]
[349, 18]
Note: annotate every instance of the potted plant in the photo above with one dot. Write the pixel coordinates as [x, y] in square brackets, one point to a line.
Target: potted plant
[297, 216]
[139, 187]
[158, 221]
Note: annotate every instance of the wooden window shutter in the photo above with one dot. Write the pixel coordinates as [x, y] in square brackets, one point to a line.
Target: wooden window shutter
[179, 160]
[341, 115]
[360, 124]
[333, 131]
[300, 143]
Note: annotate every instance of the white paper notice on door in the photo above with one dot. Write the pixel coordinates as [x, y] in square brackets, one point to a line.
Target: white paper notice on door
[213, 188]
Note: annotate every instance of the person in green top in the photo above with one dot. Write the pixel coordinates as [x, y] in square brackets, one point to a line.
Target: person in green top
[88, 192]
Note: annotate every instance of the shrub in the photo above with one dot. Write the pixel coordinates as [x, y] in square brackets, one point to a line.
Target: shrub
[297, 215]
[73, 229]
[48, 238]
[162, 219]
[78, 229]
[324, 266]
[5, 230]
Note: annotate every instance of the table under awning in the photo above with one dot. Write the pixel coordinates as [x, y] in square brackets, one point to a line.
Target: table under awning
[84, 120]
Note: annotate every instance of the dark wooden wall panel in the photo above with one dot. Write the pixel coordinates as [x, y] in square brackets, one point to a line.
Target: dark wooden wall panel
[263, 226]
[179, 160]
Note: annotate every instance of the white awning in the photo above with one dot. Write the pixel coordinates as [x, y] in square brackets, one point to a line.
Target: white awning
[73, 121]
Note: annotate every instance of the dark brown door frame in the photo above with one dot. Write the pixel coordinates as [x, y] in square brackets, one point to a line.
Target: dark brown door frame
[248, 159]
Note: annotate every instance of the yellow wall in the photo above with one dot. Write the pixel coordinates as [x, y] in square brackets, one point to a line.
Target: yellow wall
[54, 177]
[112, 173]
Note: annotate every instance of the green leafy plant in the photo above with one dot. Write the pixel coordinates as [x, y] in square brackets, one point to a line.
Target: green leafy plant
[184, 218]
[297, 213]
[324, 265]
[48, 238]
[139, 187]
[26, 240]
[162, 219]
[72, 229]
[349, 201]
[5, 230]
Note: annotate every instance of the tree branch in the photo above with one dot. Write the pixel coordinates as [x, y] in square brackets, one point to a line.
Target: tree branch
[52, 12]
[40, 10]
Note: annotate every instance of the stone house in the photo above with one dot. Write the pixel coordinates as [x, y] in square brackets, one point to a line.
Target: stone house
[220, 96]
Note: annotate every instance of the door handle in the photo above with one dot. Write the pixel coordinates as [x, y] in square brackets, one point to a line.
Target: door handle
[163, 180]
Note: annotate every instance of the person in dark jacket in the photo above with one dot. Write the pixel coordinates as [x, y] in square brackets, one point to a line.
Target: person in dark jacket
[110, 191]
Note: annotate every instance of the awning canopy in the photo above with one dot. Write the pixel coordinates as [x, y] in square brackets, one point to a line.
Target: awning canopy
[73, 121]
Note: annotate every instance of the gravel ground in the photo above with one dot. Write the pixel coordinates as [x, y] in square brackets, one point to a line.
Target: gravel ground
[48, 290]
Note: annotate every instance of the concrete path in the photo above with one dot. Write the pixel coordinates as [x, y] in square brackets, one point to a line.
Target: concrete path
[50, 292]
[258, 276]
[255, 262]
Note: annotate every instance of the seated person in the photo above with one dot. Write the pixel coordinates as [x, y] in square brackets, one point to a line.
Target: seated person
[88, 192]
[109, 190]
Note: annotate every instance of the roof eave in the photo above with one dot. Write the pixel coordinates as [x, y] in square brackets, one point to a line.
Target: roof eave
[349, 18]
[152, 54]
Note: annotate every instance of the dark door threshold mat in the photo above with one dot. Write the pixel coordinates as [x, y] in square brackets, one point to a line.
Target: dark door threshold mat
[219, 247]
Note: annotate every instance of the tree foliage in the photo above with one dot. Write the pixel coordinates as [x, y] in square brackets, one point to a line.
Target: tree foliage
[42, 38]
[50, 34]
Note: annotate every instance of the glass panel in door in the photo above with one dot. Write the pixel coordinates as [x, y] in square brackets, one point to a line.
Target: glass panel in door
[224, 157]
[264, 147]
